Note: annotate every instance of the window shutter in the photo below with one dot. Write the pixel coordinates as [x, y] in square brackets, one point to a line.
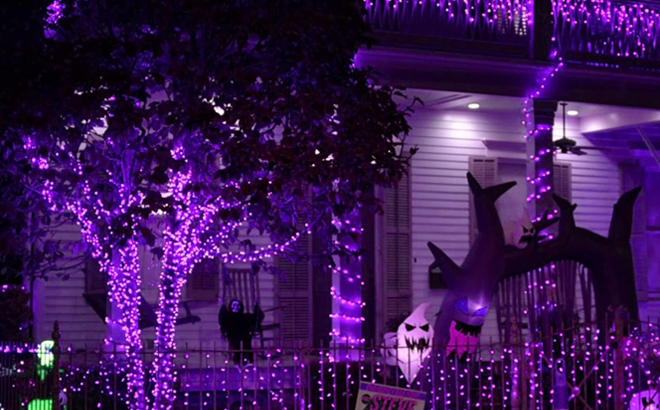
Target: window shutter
[96, 282]
[561, 180]
[631, 177]
[397, 247]
[294, 291]
[204, 281]
[484, 170]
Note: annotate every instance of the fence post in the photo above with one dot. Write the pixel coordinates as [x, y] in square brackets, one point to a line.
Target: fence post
[619, 368]
[56, 351]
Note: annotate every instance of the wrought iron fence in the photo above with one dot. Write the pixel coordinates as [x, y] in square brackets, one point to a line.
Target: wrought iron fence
[586, 367]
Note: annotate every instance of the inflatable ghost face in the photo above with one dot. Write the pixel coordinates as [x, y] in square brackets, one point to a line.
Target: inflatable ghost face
[411, 344]
[415, 334]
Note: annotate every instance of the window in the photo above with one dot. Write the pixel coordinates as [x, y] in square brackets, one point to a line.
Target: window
[489, 171]
[204, 282]
[96, 282]
[294, 294]
[484, 170]
[562, 180]
[395, 279]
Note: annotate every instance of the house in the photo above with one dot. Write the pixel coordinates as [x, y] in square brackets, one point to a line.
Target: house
[473, 63]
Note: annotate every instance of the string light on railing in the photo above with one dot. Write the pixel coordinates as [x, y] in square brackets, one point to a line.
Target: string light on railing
[613, 29]
[591, 354]
[510, 17]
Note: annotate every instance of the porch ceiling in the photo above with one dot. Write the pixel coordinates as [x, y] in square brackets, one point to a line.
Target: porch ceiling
[596, 117]
[607, 126]
[508, 77]
[628, 142]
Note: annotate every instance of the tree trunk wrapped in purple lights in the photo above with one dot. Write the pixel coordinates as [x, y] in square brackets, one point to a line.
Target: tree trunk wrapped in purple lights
[472, 285]
[104, 210]
[200, 224]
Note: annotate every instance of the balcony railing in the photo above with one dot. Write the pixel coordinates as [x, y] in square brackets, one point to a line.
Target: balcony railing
[495, 22]
[617, 29]
[588, 31]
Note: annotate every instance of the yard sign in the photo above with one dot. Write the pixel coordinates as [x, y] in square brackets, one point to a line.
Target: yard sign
[381, 397]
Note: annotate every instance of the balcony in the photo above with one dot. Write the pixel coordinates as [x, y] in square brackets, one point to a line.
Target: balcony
[616, 33]
[596, 32]
[488, 26]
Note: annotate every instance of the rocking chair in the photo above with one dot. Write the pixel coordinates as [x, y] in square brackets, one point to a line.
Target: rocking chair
[243, 284]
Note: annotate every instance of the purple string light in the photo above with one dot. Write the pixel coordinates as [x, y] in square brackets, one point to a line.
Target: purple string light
[351, 276]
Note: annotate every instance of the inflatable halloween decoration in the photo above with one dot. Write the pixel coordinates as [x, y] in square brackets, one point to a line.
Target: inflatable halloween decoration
[645, 400]
[410, 345]
[519, 233]
[471, 286]
[388, 349]
[238, 327]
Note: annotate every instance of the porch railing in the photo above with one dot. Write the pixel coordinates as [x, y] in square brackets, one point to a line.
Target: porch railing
[599, 32]
[471, 25]
[617, 30]
[582, 368]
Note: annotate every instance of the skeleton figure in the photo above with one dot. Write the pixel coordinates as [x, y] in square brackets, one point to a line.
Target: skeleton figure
[410, 345]
[238, 327]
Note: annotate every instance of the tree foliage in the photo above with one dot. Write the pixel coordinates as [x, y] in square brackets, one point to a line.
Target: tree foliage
[253, 104]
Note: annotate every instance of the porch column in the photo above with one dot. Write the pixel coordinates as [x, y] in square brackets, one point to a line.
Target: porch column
[540, 157]
[322, 299]
[347, 305]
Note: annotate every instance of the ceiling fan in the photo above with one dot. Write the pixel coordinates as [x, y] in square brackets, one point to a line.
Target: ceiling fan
[566, 145]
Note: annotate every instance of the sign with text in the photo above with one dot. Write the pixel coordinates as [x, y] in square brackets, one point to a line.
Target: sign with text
[381, 397]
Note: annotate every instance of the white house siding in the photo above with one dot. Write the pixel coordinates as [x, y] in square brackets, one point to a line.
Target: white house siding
[80, 326]
[440, 207]
[62, 300]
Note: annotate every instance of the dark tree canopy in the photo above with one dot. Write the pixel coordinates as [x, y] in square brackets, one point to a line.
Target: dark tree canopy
[268, 87]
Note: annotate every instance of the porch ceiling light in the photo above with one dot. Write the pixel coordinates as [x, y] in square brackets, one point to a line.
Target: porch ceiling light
[473, 106]
[572, 113]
